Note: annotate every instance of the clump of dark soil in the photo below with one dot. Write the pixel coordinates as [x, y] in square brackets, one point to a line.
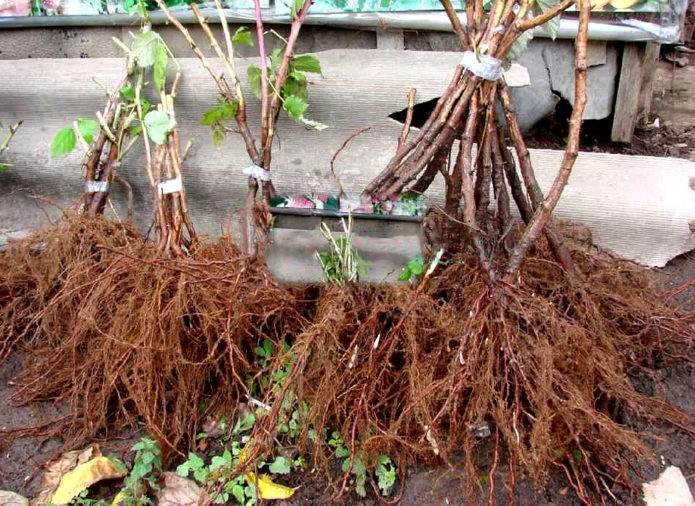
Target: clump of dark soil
[664, 141]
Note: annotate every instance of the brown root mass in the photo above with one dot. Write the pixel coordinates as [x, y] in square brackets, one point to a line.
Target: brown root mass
[125, 336]
[545, 364]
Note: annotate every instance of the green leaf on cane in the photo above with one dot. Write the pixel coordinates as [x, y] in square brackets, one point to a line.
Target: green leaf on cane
[552, 26]
[160, 66]
[64, 142]
[294, 107]
[254, 76]
[296, 85]
[144, 48]
[223, 112]
[87, 129]
[242, 36]
[307, 63]
[128, 93]
[296, 8]
[519, 46]
[158, 126]
[217, 137]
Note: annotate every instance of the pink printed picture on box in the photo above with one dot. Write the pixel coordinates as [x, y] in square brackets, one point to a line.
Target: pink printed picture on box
[15, 7]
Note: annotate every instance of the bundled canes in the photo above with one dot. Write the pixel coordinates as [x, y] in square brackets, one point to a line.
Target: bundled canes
[467, 113]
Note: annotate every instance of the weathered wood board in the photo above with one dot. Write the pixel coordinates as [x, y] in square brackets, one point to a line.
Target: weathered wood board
[628, 95]
[641, 210]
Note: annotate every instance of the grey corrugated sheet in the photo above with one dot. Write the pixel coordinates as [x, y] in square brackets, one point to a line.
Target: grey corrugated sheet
[639, 207]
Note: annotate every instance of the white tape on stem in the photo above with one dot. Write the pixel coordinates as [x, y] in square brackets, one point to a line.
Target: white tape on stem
[96, 186]
[487, 67]
[170, 186]
[258, 172]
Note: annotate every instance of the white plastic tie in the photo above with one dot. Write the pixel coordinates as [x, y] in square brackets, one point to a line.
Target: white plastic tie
[487, 67]
[96, 186]
[258, 172]
[170, 186]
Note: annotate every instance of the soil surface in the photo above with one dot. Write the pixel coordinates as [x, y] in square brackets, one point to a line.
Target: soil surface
[665, 141]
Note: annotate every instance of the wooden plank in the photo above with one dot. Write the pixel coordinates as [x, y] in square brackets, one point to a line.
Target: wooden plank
[596, 53]
[627, 97]
[651, 59]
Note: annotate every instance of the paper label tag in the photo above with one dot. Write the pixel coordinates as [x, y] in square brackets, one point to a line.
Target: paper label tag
[170, 186]
[487, 67]
[96, 186]
[258, 172]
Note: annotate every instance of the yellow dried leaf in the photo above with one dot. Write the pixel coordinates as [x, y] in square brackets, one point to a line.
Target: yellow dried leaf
[84, 476]
[118, 499]
[268, 489]
[56, 469]
[243, 452]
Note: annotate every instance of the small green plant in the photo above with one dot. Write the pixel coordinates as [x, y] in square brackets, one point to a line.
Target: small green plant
[264, 352]
[342, 262]
[359, 471]
[82, 499]
[220, 474]
[219, 471]
[385, 472]
[414, 269]
[244, 424]
[384, 469]
[297, 418]
[147, 462]
[410, 205]
[291, 415]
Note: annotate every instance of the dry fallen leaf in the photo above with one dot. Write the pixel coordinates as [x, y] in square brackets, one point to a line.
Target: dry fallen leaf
[11, 499]
[267, 488]
[118, 499]
[669, 489]
[178, 491]
[72, 473]
[57, 468]
[84, 476]
[212, 427]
